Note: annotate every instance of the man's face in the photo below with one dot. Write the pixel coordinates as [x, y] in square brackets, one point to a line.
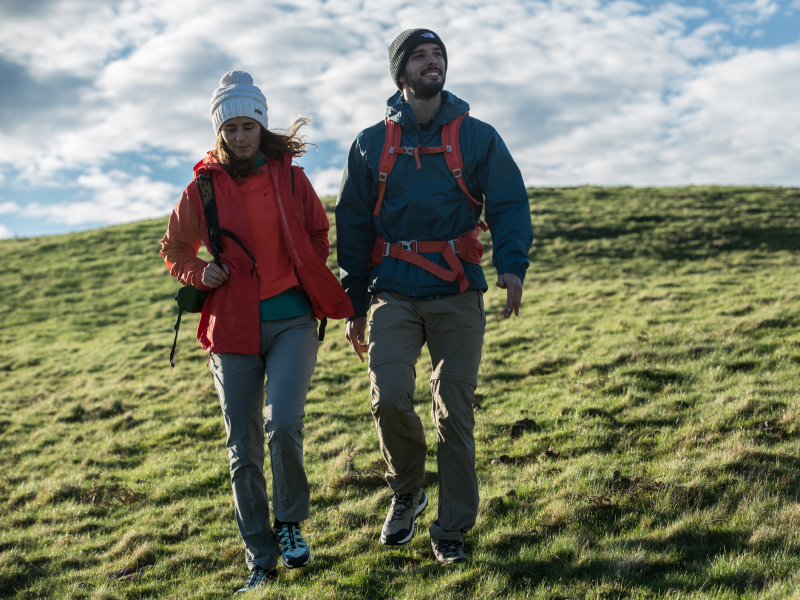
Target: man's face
[424, 74]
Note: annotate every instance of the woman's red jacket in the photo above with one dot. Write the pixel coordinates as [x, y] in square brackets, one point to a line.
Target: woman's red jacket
[230, 319]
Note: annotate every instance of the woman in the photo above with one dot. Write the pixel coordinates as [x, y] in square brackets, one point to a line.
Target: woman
[260, 317]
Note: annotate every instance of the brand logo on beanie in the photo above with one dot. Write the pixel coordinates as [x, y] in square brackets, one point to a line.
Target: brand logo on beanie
[258, 111]
[428, 35]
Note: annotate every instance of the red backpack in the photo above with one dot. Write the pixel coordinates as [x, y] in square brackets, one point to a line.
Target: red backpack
[467, 244]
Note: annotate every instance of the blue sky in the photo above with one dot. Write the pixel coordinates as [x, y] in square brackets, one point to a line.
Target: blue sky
[104, 107]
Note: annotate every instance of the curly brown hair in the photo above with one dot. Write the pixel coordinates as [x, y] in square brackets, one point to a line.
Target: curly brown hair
[274, 145]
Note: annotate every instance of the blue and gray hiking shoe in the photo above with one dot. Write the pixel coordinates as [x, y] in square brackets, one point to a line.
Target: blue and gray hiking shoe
[399, 525]
[256, 578]
[294, 550]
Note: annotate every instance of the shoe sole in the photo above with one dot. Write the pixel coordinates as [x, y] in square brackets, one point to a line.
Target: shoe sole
[288, 566]
[422, 506]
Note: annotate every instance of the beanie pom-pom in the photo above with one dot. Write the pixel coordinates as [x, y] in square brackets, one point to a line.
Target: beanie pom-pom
[235, 78]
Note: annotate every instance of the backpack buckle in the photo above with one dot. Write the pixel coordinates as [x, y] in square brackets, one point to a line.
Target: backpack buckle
[409, 150]
[453, 246]
[449, 148]
[411, 246]
[386, 246]
[381, 176]
[457, 173]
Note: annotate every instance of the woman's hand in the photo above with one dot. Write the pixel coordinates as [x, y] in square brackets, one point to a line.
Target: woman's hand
[214, 277]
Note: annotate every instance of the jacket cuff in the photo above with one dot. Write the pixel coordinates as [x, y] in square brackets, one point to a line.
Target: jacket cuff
[197, 281]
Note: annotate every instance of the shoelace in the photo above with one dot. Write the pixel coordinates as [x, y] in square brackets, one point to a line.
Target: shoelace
[406, 501]
[256, 575]
[286, 536]
[450, 548]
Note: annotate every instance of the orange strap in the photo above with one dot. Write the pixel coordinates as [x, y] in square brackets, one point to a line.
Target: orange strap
[453, 156]
[388, 156]
[407, 251]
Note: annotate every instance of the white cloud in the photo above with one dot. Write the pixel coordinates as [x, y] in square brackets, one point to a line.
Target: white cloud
[326, 181]
[581, 90]
[5, 232]
[114, 197]
[8, 207]
[711, 129]
[751, 12]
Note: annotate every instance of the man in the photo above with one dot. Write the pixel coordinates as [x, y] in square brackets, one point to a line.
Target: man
[410, 207]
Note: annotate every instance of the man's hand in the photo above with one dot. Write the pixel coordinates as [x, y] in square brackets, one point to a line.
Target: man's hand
[513, 285]
[214, 277]
[356, 330]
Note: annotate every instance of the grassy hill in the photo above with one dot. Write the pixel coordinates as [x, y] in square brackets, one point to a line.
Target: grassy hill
[657, 352]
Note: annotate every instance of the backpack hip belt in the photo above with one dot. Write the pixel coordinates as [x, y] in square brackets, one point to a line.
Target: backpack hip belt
[467, 246]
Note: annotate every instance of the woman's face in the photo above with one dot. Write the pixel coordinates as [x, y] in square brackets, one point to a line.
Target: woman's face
[242, 135]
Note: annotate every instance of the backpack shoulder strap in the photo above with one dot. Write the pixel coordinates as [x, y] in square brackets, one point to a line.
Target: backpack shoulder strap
[205, 184]
[388, 158]
[453, 158]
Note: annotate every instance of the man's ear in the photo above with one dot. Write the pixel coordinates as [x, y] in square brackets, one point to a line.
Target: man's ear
[401, 80]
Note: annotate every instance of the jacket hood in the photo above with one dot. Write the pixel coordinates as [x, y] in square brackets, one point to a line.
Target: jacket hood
[398, 110]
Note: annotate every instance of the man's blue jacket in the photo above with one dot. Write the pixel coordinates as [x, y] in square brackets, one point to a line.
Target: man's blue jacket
[428, 205]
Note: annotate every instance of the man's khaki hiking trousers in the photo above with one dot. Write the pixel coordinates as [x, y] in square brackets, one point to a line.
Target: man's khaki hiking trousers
[453, 328]
[287, 356]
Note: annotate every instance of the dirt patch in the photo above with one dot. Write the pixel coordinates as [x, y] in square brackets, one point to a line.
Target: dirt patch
[624, 492]
[771, 427]
[505, 459]
[551, 453]
[126, 574]
[370, 478]
[103, 495]
[521, 426]
[22, 402]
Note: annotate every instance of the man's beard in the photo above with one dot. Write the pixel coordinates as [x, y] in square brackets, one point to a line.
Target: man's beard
[422, 89]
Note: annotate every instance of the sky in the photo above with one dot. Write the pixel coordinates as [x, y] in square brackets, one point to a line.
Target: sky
[104, 105]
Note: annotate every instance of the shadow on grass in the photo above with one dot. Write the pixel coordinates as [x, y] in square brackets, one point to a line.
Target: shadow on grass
[681, 561]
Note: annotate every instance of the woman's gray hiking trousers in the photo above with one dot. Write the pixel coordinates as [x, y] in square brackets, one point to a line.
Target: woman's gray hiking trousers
[287, 356]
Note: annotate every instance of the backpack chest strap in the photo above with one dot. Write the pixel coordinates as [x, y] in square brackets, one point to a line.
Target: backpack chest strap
[415, 152]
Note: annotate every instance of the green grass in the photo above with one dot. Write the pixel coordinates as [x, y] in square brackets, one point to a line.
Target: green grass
[657, 351]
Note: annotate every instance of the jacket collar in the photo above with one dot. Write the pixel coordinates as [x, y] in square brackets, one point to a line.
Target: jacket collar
[209, 163]
[397, 109]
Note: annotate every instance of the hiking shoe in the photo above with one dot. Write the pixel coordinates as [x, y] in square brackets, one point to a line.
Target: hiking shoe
[294, 549]
[255, 579]
[449, 552]
[399, 525]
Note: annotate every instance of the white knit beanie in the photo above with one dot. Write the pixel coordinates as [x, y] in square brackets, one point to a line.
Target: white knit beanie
[236, 96]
